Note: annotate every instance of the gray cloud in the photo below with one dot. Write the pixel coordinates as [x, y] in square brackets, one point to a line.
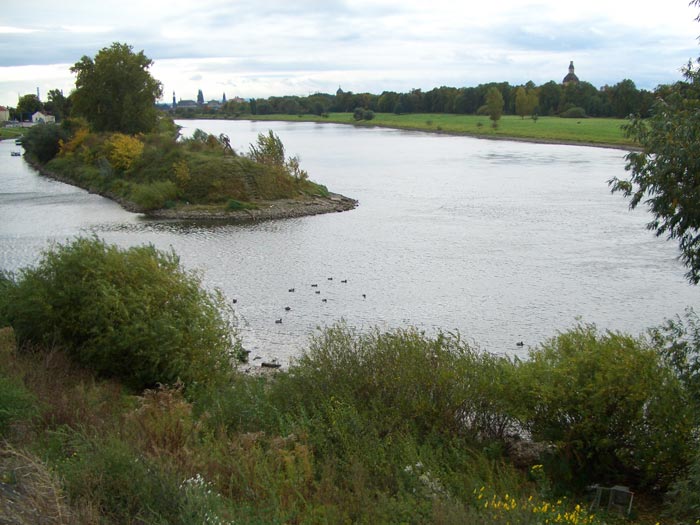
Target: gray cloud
[378, 45]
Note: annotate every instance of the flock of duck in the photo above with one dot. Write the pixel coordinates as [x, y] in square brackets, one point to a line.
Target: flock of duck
[325, 300]
[317, 292]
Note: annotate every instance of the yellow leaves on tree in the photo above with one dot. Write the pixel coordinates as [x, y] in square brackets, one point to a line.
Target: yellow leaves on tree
[73, 144]
[122, 150]
[182, 172]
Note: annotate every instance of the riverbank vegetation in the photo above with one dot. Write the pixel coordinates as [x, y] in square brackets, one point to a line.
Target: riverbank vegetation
[104, 407]
[155, 170]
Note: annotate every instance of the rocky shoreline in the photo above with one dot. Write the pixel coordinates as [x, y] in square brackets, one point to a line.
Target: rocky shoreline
[264, 210]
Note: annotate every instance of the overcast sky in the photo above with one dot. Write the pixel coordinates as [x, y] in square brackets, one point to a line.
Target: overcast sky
[261, 48]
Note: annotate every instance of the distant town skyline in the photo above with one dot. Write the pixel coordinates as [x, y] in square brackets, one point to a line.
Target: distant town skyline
[275, 48]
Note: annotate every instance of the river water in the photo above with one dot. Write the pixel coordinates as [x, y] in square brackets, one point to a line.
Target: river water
[501, 241]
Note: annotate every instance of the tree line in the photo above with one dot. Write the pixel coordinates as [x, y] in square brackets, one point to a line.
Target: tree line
[549, 99]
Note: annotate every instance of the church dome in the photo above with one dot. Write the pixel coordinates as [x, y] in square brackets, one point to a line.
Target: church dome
[571, 78]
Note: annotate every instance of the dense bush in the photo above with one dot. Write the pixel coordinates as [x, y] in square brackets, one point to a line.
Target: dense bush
[133, 314]
[363, 114]
[574, 112]
[43, 141]
[446, 386]
[616, 413]
[154, 195]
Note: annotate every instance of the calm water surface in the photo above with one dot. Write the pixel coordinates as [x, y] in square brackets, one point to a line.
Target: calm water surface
[501, 241]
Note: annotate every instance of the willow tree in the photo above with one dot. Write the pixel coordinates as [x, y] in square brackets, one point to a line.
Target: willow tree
[115, 91]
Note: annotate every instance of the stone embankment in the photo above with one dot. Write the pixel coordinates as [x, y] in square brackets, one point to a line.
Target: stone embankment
[264, 210]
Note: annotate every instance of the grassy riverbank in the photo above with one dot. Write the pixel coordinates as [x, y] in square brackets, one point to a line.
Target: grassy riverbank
[589, 131]
[307, 447]
[120, 405]
[11, 133]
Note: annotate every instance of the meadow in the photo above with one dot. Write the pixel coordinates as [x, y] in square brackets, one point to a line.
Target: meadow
[11, 133]
[593, 131]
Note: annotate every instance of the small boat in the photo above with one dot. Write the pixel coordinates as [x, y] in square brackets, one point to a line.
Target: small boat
[15, 154]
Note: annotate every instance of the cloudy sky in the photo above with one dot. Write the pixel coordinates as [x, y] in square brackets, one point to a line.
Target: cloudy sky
[259, 48]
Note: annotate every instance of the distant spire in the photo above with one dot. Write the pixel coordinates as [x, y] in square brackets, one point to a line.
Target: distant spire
[223, 99]
[571, 78]
[174, 101]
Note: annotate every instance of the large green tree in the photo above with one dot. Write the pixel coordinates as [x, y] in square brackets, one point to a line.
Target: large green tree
[28, 105]
[58, 104]
[665, 173]
[115, 91]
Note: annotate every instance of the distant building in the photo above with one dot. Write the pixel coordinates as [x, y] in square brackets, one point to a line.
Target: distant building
[571, 78]
[213, 104]
[4, 114]
[187, 104]
[41, 118]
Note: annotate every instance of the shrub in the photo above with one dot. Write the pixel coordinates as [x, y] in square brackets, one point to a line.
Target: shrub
[43, 141]
[126, 487]
[362, 114]
[268, 150]
[574, 112]
[74, 143]
[615, 411]
[123, 150]
[154, 195]
[133, 314]
[447, 387]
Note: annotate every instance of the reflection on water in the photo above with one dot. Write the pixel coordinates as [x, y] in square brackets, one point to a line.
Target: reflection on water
[502, 241]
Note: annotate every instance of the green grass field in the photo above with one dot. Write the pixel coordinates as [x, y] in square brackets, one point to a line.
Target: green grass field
[599, 131]
[11, 133]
